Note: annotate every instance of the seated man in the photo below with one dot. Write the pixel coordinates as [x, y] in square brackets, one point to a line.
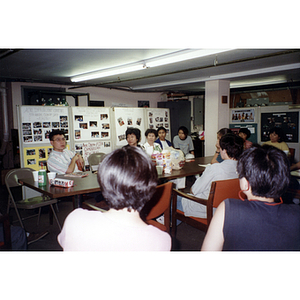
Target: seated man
[62, 160]
[231, 147]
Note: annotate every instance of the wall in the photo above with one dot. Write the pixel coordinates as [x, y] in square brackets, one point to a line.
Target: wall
[109, 96]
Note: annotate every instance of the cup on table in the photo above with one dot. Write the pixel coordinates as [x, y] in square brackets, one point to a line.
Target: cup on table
[286, 152]
[51, 175]
[35, 175]
[159, 170]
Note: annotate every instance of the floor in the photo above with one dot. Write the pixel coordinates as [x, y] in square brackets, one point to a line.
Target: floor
[187, 238]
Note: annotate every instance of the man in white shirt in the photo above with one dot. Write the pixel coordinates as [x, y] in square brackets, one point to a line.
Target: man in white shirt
[231, 147]
[62, 160]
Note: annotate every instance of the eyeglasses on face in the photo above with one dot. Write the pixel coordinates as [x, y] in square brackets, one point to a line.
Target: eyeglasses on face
[59, 140]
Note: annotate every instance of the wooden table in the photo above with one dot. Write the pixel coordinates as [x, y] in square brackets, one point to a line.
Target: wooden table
[81, 186]
[189, 169]
[90, 184]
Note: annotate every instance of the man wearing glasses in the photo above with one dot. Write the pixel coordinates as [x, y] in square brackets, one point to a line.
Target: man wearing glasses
[62, 160]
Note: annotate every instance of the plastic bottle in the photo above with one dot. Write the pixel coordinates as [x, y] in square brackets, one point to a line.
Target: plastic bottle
[42, 176]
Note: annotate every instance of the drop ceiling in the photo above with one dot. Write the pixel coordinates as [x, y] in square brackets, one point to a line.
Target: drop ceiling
[243, 67]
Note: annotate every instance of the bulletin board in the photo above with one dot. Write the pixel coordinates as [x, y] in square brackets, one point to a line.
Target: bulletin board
[125, 117]
[35, 124]
[287, 121]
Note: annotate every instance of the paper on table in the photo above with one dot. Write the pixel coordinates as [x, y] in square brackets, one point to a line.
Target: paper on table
[204, 165]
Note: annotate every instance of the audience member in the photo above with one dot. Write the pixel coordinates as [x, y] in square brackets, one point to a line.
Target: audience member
[245, 133]
[161, 140]
[127, 178]
[277, 139]
[150, 146]
[133, 137]
[183, 141]
[62, 160]
[262, 221]
[217, 156]
[231, 147]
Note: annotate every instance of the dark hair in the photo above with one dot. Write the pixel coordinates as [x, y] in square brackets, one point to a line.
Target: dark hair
[224, 131]
[55, 132]
[267, 170]
[134, 131]
[246, 131]
[161, 128]
[127, 178]
[279, 132]
[233, 144]
[184, 129]
[151, 131]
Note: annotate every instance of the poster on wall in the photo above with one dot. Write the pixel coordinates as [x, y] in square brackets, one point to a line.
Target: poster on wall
[287, 121]
[91, 123]
[242, 115]
[38, 121]
[126, 117]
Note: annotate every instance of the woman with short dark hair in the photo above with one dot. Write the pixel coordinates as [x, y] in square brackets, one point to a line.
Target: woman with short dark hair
[262, 221]
[277, 139]
[133, 137]
[127, 179]
[151, 147]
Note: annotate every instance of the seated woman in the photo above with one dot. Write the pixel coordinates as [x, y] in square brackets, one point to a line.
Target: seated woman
[162, 141]
[217, 156]
[150, 146]
[127, 178]
[262, 221]
[277, 139]
[133, 137]
[245, 133]
[183, 141]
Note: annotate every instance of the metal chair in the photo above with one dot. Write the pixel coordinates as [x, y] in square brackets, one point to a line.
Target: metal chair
[95, 158]
[15, 196]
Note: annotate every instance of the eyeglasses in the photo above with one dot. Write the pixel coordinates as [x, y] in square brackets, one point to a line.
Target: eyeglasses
[58, 140]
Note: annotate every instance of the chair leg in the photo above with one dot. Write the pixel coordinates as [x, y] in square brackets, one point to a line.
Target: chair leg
[18, 215]
[55, 216]
[38, 220]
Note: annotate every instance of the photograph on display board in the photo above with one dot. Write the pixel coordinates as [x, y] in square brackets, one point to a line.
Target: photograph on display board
[242, 115]
[287, 121]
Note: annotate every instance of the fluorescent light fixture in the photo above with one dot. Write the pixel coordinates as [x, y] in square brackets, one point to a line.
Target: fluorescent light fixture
[181, 55]
[178, 56]
[258, 82]
[108, 72]
[226, 76]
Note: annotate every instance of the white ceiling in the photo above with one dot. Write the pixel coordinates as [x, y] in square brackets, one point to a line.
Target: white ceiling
[59, 65]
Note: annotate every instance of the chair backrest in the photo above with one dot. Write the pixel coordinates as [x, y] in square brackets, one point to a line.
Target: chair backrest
[11, 178]
[159, 204]
[292, 155]
[95, 158]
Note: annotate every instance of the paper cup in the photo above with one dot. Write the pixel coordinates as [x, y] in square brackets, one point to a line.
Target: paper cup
[159, 170]
[35, 175]
[51, 175]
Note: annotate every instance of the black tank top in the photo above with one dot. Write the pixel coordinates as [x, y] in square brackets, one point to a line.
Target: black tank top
[255, 225]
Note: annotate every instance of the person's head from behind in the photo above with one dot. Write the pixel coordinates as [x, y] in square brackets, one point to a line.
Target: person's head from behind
[266, 168]
[161, 131]
[276, 135]
[220, 133]
[133, 136]
[232, 144]
[244, 133]
[127, 178]
[183, 132]
[151, 135]
[57, 140]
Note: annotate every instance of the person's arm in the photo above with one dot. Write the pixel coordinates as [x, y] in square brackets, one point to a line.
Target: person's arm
[191, 146]
[214, 159]
[295, 166]
[214, 238]
[76, 158]
[175, 142]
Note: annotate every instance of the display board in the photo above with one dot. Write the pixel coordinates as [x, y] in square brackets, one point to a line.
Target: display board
[91, 127]
[35, 124]
[287, 121]
[125, 117]
[157, 117]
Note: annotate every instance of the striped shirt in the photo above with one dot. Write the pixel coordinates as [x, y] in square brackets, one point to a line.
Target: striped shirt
[59, 161]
